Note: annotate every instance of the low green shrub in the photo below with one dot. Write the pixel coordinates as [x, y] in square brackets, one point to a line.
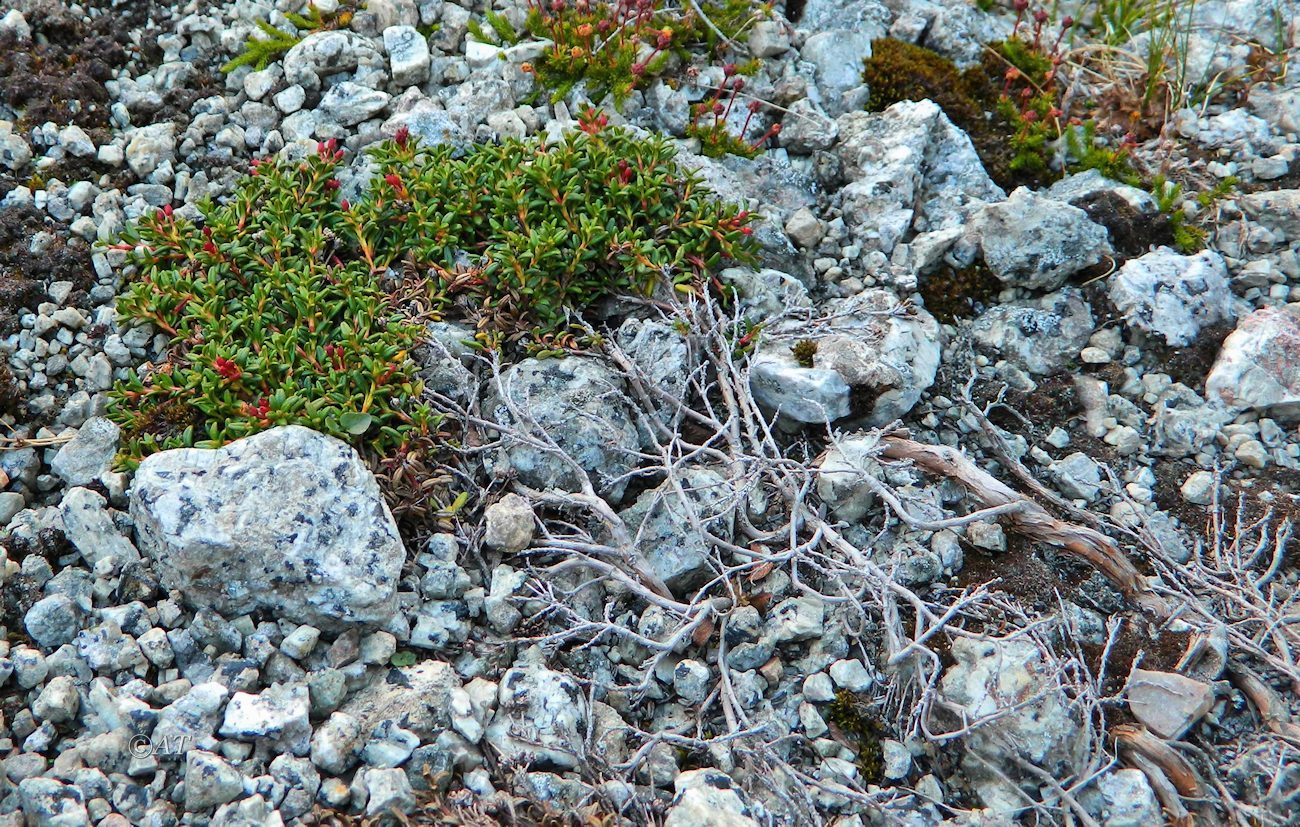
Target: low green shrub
[615, 47]
[276, 305]
[549, 228]
[272, 321]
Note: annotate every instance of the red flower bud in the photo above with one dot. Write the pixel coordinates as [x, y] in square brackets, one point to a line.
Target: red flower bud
[638, 69]
[1068, 22]
[227, 369]
[393, 180]
[747, 230]
[332, 184]
[403, 134]
[210, 248]
[1040, 17]
[728, 69]
[167, 210]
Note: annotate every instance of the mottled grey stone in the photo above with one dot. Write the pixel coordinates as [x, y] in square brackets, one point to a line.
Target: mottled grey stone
[288, 520]
[577, 402]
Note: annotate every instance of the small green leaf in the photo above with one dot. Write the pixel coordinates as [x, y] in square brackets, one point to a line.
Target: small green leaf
[402, 658]
[356, 423]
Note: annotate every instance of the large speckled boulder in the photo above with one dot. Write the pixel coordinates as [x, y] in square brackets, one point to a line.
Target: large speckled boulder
[1041, 336]
[886, 351]
[708, 798]
[1173, 295]
[1034, 241]
[288, 520]
[664, 522]
[874, 361]
[909, 171]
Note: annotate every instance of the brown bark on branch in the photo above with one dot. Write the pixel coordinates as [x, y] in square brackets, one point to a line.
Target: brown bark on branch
[1031, 519]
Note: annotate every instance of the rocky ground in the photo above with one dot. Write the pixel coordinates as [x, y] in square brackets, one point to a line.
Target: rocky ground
[1011, 544]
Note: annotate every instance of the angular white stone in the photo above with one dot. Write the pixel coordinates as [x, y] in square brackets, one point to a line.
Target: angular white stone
[1259, 364]
[1174, 295]
[288, 520]
[1168, 703]
[408, 55]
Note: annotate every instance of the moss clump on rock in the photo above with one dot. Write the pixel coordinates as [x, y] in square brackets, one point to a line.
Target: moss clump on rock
[1014, 149]
[860, 726]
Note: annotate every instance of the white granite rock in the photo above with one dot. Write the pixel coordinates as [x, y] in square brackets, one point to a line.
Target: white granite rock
[288, 520]
[1258, 366]
[1174, 295]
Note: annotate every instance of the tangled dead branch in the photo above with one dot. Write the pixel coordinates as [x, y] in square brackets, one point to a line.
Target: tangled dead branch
[593, 582]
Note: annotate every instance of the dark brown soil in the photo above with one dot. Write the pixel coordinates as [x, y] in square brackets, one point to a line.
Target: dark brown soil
[1132, 233]
[58, 75]
[1159, 650]
[1036, 583]
[1191, 364]
[10, 396]
[952, 294]
[24, 276]
[1019, 569]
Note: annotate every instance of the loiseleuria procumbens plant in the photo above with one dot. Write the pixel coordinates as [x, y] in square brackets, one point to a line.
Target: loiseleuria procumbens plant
[276, 306]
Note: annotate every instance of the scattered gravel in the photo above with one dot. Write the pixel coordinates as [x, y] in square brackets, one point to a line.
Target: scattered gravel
[617, 621]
